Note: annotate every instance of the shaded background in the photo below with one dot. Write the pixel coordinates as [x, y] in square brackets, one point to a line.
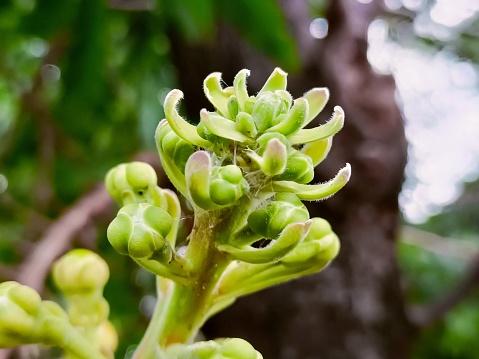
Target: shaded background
[81, 89]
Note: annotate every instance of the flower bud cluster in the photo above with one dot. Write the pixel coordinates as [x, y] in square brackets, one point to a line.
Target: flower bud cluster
[140, 231]
[134, 182]
[20, 309]
[81, 275]
[263, 136]
[27, 319]
[146, 226]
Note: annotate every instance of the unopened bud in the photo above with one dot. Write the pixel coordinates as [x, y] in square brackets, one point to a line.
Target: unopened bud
[139, 230]
[80, 271]
[270, 220]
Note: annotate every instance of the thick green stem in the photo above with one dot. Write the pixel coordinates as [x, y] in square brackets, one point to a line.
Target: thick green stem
[148, 347]
[184, 306]
[190, 304]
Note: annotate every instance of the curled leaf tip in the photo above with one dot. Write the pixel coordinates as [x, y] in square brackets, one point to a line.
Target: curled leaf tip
[318, 191]
[173, 97]
[330, 128]
[345, 172]
[183, 128]
[240, 88]
[276, 81]
[215, 93]
[317, 98]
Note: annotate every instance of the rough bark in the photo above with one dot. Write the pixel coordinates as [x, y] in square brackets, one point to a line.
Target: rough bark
[353, 309]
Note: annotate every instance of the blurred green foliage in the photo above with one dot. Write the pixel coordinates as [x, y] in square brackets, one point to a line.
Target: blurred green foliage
[430, 275]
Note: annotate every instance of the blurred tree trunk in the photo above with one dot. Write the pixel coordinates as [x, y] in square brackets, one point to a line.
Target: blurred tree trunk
[353, 309]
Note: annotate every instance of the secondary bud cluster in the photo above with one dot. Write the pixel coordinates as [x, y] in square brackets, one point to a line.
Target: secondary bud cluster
[26, 319]
[270, 220]
[81, 275]
[134, 182]
[140, 230]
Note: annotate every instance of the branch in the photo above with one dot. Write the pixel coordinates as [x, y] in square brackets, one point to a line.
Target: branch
[442, 246]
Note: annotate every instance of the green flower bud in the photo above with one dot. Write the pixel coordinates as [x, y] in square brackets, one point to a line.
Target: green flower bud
[267, 107]
[107, 338]
[19, 305]
[320, 246]
[80, 271]
[133, 182]
[264, 139]
[228, 348]
[274, 158]
[231, 173]
[246, 125]
[228, 186]
[197, 173]
[233, 107]
[139, 230]
[210, 188]
[171, 165]
[236, 348]
[287, 99]
[308, 257]
[140, 175]
[270, 220]
[249, 104]
[81, 276]
[223, 193]
[20, 315]
[320, 228]
[26, 319]
[87, 311]
[299, 168]
[292, 121]
[177, 149]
